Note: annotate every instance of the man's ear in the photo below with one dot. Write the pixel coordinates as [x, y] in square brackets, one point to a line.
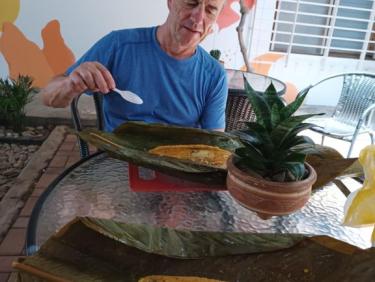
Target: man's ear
[169, 4]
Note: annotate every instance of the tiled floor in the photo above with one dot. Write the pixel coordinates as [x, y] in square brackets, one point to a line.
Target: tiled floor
[12, 246]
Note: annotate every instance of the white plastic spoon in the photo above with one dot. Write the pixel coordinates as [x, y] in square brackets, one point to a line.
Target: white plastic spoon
[129, 96]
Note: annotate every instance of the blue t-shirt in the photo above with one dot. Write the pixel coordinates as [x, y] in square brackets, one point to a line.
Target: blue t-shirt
[188, 92]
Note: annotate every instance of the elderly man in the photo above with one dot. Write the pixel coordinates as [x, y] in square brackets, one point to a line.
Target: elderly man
[178, 81]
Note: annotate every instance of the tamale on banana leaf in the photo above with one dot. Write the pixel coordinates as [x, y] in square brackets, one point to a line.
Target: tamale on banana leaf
[89, 249]
[132, 141]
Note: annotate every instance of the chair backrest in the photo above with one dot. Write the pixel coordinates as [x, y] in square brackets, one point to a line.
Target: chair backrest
[238, 111]
[357, 94]
[98, 100]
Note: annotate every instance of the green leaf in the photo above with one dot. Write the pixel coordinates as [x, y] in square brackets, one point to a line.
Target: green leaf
[297, 169]
[301, 139]
[255, 133]
[272, 98]
[249, 151]
[296, 157]
[259, 105]
[288, 138]
[287, 128]
[294, 106]
[275, 116]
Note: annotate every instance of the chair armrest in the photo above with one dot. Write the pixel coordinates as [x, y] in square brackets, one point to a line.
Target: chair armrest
[368, 111]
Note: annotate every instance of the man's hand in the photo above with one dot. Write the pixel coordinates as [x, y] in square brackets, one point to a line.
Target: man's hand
[89, 76]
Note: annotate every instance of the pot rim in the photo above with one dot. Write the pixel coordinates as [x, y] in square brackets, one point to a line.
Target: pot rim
[233, 169]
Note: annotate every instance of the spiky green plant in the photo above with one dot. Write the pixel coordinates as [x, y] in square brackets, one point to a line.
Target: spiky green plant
[14, 95]
[272, 147]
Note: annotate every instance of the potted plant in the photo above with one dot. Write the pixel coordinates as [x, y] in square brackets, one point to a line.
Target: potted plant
[269, 174]
[216, 53]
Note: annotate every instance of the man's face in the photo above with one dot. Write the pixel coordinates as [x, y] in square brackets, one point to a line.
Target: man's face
[191, 20]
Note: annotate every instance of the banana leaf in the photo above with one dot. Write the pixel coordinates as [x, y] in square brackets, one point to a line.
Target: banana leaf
[329, 164]
[89, 249]
[132, 140]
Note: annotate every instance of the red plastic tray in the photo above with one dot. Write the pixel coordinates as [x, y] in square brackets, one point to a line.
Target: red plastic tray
[146, 180]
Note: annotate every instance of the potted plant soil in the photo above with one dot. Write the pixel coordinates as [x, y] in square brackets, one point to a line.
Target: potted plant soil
[269, 174]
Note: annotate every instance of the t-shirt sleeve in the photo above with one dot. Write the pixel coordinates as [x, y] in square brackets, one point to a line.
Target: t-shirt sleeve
[102, 52]
[213, 116]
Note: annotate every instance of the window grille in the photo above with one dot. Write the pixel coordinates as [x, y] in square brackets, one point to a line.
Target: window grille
[330, 28]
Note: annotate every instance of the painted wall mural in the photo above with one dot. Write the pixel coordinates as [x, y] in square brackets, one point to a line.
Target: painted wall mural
[263, 63]
[229, 16]
[24, 56]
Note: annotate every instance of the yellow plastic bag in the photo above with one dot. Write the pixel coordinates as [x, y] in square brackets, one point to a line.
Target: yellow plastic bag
[360, 206]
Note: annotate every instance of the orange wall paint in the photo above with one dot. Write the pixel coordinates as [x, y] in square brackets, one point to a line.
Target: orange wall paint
[228, 16]
[23, 56]
[58, 55]
[264, 68]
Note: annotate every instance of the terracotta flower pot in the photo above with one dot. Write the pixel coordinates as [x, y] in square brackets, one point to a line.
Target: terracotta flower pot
[268, 198]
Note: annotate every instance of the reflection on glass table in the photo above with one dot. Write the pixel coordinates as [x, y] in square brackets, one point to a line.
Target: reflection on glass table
[98, 187]
[257, 81]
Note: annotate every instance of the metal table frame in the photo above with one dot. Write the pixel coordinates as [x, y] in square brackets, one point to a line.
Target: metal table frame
[30, 246]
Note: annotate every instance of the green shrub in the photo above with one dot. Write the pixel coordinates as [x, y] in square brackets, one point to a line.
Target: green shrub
[14, 95]
[216, 54]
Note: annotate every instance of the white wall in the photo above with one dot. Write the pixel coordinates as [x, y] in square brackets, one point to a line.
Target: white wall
[83, 22]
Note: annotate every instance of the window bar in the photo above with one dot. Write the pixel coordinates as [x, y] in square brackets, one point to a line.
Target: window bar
[325, 37]
[328, 5]
[324, 16]
[292, 34]
[276, 24]
[332, 27]
[365, 46]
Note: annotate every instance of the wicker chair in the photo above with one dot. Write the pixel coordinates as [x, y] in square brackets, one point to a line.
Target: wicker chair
[238, 111]
[354, 113]
[83, 146]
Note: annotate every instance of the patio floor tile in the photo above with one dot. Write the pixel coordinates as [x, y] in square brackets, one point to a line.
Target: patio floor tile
[14, 242]
[21, 222]
[6, 263]
[4, 277]
[58, 161]
[27, 209]
[45, 180]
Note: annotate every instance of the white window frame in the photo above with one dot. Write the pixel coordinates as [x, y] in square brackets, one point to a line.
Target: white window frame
[327, 49]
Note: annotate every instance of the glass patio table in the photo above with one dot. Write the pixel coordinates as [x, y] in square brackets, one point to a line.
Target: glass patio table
[98, 186]
[257, 81]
